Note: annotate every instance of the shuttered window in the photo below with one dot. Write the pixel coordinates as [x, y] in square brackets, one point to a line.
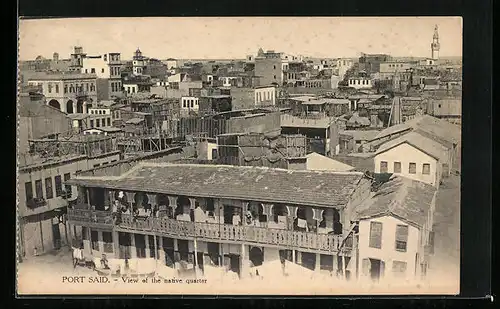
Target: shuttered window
[412, 169]
[383, 166]
[49, 192]
[401, 237]
[39, 188]
[426, 169]
[397, 167]
[376, 235]
[28, 188]
[58, 185]
[399, 268]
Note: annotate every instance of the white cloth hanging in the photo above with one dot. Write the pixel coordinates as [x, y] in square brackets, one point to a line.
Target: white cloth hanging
[301, 223]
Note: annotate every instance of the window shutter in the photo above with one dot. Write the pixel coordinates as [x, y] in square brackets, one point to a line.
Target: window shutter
[402, 233]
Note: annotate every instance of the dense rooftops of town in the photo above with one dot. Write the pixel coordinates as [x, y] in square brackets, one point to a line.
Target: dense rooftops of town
[61, 76]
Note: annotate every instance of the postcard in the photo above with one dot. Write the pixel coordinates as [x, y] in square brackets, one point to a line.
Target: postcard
[239, 156]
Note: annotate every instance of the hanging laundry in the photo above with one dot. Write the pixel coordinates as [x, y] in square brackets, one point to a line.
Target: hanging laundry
[301, 223]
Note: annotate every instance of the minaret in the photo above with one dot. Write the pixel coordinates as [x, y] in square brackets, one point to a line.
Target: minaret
[435, 45]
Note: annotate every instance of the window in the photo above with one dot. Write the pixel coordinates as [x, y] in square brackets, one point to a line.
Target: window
[107, 239]
[39, 188]
[28, 188]
[50, 88]
[413, 168]
[401, 237]
[87, 87]
[97, 123]
[57, 88]
[92, 70]
[397, 167]
[49, 193]
[274, 76]
[102, 70]
[274, 67]
[108, 120]
[184, 103]
[426, 169]
[383, 166]
[375, 235]
[91, 123]
[67, 188]
[398, 268]
[94, 238]
[58, 182]
[65, 88]
[97, 165]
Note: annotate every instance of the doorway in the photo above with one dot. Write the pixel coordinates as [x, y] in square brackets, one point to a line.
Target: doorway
[377, 268]
[308, 260]
[124, 242]
[56, 236]
[256, 256]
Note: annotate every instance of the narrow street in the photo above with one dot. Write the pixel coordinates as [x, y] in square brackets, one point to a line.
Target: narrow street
[445, 262]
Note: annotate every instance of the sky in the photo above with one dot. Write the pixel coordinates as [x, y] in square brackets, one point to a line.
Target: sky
[236, 37]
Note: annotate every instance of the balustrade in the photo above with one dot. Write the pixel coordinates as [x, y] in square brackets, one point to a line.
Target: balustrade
[212, 231]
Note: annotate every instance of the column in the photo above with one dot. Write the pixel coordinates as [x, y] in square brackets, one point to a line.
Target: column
[116, 244]
[100, 242]
[146, 243]
[162, 252]
[318, 216]
[192, 202]
[317, 267]
[244, 208]
[245, 263]
[267, 208]
[153, 200]
[172, 203]
[133, 250]
[74, 107]
[197, 267]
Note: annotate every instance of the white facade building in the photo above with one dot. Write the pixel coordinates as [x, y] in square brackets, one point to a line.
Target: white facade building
[414, 156]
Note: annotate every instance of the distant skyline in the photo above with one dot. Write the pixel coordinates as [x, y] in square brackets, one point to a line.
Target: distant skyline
[237, 37]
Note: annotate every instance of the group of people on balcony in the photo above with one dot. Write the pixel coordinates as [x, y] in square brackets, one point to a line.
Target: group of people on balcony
[275, 216]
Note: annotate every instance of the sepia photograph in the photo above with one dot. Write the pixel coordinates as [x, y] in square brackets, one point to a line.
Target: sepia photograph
[239, 156]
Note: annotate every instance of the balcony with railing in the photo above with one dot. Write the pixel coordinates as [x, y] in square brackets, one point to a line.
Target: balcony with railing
[320, 243]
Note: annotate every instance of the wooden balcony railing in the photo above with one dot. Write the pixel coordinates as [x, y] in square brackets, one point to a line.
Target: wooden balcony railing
[90, 218]
[327, 243]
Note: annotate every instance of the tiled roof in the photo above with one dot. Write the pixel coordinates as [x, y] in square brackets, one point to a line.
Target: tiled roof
[315, 188]
[135, 120]
[361, 135]
[425, 144]
[432, 126]
[401, 197]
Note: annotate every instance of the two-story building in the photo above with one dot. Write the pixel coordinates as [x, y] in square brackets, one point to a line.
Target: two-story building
[190, 216]
[42, 195]
[395, 232]
[107, 68]
[69, 92]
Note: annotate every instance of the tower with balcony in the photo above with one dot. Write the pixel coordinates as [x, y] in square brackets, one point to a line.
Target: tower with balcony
[435, 44]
